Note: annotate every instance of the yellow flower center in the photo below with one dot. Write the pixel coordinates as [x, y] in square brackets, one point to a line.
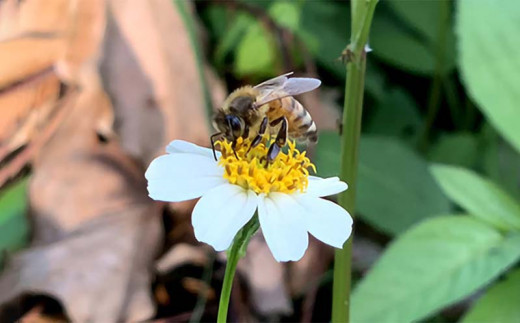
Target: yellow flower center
[288, 172]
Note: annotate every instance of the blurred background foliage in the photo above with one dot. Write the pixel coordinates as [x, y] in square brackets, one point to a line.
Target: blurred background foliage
[438, 200]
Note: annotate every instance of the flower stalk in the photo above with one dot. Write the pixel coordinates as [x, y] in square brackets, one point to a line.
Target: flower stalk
[235, 252]
[355, 54]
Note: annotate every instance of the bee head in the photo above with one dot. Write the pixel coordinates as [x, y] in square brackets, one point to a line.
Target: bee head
[230, 126]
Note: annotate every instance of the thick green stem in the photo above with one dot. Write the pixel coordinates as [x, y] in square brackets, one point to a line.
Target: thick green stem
[362, 13]
[237, 251]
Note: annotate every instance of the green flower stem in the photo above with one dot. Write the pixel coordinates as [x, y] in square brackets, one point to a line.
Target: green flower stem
[236, 251]
[362, 13]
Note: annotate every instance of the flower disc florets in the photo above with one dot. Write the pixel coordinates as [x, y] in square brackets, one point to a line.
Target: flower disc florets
[288, 172]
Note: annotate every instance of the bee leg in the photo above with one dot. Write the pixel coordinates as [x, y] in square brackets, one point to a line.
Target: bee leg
[280, 141]
[212, 138]
[234, 146]
[261, 132]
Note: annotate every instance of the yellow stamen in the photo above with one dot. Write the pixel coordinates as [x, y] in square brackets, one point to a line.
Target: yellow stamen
[288, 172]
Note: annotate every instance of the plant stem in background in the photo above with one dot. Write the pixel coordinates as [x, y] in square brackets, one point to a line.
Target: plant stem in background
[189, 23]
[202, 298]
[438, 76]
[235, 252]
[362, 13]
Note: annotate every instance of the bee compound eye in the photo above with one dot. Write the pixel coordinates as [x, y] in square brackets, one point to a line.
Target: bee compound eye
[234, 123]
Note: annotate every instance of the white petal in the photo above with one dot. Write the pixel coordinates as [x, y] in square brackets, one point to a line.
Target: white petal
[185, 147]
[221, 212]
[282, 223]
[326, 220]
[181, 177]
[325, 186]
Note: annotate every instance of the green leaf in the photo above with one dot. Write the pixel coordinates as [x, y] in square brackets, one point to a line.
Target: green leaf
[286, 14]
[478, 196]
[459, 149]
[422, 16]
[397, 115]
[255, 53]
[395, 188]
[13, 222]
[499, 304]
[232, 37]
[500, 161]
[490, 61]
[326, 32]
[327, 156]
[436, 263]
[394, 45]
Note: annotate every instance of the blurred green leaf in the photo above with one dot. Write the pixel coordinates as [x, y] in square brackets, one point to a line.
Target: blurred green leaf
[218, 19]
[490, 61]
[394, 45]
[13, 222]
[406, 36]
[422, 16]
[459, 149]
[232, 37]
[395, 188]
[327, 155]
[327, 25]
[478, 196]
[500, 161]
[499, 304]
[436, 263]
[286, 14]
[425, 17]
[397, 115]
[255, 53]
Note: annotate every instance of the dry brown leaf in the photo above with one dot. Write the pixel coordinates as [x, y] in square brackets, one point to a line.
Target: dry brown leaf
[42, 45]
[100, 273]
[183, 253]
[95, 231]
[22, 57]
[265, 277]
[84, 39]
[150, 73]
[17, 17]
[306, 273]
[27, 109]
[162, 49]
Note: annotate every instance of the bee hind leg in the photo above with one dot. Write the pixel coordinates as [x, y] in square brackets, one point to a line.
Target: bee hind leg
[259, 136]
[280, 140]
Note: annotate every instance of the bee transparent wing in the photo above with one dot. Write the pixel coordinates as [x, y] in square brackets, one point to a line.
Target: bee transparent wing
[274, 82]
[282, 86]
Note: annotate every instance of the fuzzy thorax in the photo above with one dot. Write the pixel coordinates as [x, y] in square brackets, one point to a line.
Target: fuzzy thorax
[288, 173]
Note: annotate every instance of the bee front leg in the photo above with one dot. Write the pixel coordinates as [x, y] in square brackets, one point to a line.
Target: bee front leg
[280, 141]
[233, 147]
[261, 132]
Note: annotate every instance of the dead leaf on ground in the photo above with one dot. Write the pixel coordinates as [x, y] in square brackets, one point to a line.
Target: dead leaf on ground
[266, 279]
[94, 252]
[163, 72]
[42, 46]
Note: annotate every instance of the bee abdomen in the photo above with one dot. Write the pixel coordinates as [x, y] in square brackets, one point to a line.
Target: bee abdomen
[303, 127]
[312, 133]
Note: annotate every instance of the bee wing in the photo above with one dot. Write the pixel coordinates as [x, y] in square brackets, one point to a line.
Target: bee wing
[274, 82]
[282, 86]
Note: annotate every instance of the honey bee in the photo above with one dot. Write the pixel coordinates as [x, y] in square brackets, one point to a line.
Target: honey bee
[250, 111]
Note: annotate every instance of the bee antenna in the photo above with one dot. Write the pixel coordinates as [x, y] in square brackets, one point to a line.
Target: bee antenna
[212, 138]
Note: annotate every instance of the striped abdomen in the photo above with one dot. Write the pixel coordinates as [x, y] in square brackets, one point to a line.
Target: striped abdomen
[301, 125]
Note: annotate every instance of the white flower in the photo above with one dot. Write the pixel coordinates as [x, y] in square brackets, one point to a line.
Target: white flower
[289, 201]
